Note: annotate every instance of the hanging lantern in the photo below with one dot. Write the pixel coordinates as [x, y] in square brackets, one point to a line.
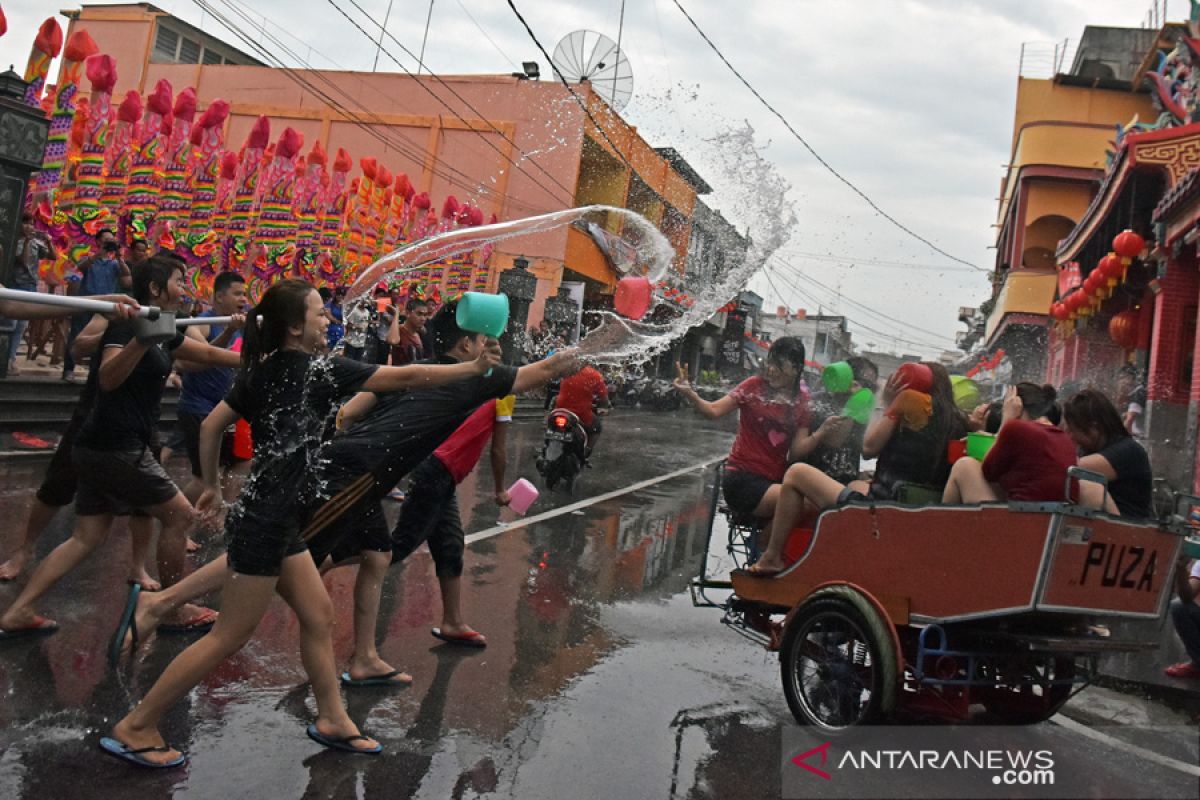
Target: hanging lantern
[1123, 330]
[1128, 244]
[1091, 283]
[1059, 312]
[1076, 301]
[1112, 268]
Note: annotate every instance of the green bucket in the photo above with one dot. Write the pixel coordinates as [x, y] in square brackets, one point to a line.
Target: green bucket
[837, 377]
[979, 443]
[859, 406]
[966, 393]
[479, 312]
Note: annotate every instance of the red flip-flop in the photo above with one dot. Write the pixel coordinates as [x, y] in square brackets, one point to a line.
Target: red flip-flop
[472, 639]
[40, 627]
[201, 623]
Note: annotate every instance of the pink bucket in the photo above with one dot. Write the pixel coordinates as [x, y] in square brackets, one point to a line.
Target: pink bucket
[523, 493]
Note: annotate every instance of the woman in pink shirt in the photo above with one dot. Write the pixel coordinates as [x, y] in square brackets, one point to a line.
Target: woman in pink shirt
[774, 420]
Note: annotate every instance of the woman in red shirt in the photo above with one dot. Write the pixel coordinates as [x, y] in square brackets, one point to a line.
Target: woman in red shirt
[1029, 460]
[774, 419]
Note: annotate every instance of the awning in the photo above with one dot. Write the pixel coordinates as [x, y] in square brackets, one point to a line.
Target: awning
[1024, 292]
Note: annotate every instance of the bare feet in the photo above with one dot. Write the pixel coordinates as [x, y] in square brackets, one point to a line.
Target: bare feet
[343, 729]
[192, 545]
[143, 579]
[17, 618]
[11, 570]
[135, 739]
[189, 614]
[766, 567]
[464, 632]
[363, 668]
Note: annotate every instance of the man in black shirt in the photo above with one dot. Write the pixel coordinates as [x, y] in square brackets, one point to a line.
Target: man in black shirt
[117, 470]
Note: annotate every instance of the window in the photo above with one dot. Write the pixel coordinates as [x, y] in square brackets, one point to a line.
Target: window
[166, 43]
[210, 57]
[189, 52]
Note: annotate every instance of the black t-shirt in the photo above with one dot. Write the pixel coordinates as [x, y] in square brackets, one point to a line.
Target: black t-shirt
[127, 416]
[1133, 488]
[912, 456]
[290, 401]
[839, 463]
[403, 428]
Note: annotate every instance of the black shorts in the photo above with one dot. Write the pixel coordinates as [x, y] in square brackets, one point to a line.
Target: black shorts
[258, 540]
[362, 527]
[744, 490]
[59, 482]
[189, 426]
[430, 514]
[119, 481]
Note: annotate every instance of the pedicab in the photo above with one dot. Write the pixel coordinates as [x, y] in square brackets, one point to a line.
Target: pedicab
[898, 609]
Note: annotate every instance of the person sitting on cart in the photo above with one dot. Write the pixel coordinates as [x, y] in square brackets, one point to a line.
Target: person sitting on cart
[1030, 457]
[1185, 613]
[1105, 446]
[836, 447]
[774, 413]
[910, 441]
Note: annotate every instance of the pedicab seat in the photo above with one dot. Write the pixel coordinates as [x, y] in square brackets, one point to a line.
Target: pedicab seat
[918, 494]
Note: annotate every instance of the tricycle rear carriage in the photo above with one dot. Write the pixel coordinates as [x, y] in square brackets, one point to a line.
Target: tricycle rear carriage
[891, 609]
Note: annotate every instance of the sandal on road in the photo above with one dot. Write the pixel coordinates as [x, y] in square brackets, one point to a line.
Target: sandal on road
[386, 679]
[200, 623]
[472, 639]
[127, 753]
[125, 626]
[40, 627]
[345, 743]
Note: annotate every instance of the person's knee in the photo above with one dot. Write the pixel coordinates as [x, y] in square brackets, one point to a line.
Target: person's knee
[797, 475]
[317, 619]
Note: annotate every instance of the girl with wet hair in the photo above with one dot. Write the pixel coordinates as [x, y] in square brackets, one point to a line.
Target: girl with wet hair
[289, 396]
[910, 441]
[774, 413]
[1029, 459]
[1105, 446]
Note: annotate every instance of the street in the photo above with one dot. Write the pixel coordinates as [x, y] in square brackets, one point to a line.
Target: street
[600, 679]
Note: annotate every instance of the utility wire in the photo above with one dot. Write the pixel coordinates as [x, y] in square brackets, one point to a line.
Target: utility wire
[872, 262]
[570, 195]
[814, 153]
[565, 83]
[799, 274]
[444, 171]
[857, 322]
[491, 41]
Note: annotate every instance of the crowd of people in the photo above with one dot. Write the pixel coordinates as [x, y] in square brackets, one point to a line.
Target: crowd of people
[332, 437]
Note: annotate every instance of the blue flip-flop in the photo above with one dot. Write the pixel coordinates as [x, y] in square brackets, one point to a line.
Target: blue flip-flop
[127, 753]
[374, 680]
[125, 626]
[342, 742]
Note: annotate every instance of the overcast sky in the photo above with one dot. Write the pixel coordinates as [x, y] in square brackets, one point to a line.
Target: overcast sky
[911, 100]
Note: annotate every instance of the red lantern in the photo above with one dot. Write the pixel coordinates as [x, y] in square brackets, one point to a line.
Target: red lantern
[1128, 244]
[1123, 330]
[1059, 312]
[1111, 267]
[1090, 283]
[1076, 300]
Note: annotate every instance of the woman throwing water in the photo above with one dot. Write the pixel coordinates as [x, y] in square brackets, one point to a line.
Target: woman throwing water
[773, 421]
[288, 395]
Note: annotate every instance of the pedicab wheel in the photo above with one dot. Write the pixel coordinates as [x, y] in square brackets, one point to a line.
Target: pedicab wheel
[1029, 704]
[837, 660]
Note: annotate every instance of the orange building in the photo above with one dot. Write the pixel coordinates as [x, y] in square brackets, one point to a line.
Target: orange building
[511, 146]
[1062, 130]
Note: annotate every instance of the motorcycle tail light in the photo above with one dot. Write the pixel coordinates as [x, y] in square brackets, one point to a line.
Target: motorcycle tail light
[560, 422]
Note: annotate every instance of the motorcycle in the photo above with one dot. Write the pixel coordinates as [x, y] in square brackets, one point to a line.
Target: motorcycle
[564, 449]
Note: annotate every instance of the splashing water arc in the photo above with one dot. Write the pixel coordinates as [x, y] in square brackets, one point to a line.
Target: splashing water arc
[654, 251]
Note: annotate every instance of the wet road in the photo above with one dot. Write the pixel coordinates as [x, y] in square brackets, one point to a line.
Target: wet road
[600, 680]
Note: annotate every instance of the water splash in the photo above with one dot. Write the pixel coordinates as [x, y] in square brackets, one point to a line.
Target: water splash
[654, 251]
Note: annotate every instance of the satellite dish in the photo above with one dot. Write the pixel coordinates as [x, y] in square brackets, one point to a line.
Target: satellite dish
[589, 56]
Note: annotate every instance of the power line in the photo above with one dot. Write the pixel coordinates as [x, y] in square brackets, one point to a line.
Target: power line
[444, 171]
[814, 153]
[855, 303]
[507, 57]
[873, 262]
[563, 78]
[569, 193]
[857, 322]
